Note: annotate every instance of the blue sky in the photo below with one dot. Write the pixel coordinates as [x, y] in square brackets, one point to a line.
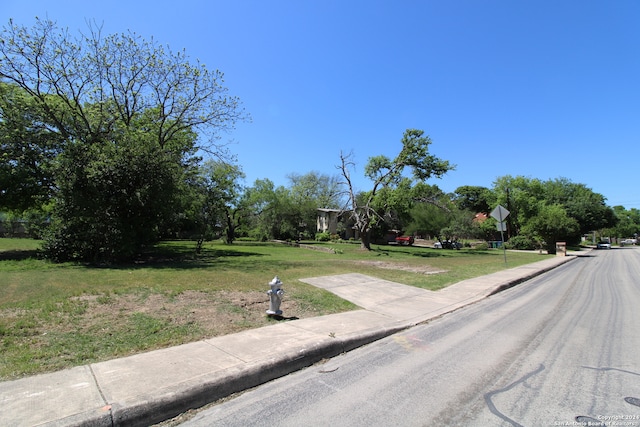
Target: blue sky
[543, 89]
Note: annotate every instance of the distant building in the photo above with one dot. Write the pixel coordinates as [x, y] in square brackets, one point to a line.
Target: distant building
[480, 217]
[327, 221]
[334, 221]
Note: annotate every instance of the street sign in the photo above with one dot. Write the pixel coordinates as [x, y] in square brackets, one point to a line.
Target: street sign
[500, 213]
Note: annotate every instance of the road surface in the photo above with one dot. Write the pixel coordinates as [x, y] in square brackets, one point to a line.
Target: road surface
[559, 350]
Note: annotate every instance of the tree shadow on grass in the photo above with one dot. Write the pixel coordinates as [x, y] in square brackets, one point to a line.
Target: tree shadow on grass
[18, 255]
[181, 258]
[433, 253]
[454, 252]
[175, 256]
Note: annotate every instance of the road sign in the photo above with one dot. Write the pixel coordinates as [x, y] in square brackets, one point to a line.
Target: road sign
[500, 213]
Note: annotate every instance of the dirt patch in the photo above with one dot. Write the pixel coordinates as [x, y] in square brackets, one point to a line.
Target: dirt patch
[92, 327]
[420, 269]
[212, 313]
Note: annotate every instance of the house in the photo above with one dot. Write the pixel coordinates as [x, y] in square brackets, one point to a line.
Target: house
[334, 221]
[480, 217]
[327, 221]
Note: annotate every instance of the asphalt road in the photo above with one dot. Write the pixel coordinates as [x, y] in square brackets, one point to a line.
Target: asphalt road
[559, 350]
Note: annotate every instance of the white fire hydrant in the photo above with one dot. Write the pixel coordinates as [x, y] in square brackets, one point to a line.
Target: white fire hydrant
[275, 294]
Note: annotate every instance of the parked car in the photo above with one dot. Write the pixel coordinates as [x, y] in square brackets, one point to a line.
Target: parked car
[603, 244]
[629, 242]
[447, 244]
[405, 240]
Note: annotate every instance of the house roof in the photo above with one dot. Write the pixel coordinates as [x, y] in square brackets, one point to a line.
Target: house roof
[481, 217]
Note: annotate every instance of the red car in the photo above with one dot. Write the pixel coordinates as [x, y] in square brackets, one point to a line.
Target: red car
[404, 240]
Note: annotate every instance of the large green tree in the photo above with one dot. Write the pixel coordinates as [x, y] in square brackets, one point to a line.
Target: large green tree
[473, 198]
[552, 224]
[588, 208]
[520, 195]
[113, 199]
[274, 214]
[131, 114]
[221, 208]
[553, 209]
[309, 192]
[628, 225]
[386, 173]
[28, 148]
[428, 220]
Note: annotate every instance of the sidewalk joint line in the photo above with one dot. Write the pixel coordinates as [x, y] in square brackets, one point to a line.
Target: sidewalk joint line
[102, 396]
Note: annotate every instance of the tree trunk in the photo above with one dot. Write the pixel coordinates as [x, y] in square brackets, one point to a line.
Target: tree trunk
[365, 239]
[231, 229]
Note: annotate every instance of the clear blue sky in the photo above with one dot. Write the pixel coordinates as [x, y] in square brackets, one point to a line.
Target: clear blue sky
[543, 89]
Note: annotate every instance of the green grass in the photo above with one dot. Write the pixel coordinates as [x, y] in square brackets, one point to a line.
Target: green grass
[54, 316]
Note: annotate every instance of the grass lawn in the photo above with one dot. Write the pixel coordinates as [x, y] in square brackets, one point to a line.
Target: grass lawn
[55, 316]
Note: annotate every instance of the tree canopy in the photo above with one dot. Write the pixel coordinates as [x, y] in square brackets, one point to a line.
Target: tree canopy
[122, 117]
[386, 173]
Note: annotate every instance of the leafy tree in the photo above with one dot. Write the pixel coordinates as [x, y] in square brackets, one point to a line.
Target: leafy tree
[563, 203]
[324, 190]
[628, 224]
[104, 83]
[428, 220]
[27, 151]
[401, 207]
[550, 225]
[581, 203]
[388, 173]
[221, 191]
[309, 192]
[274, 212]
[113, 199]
[461, 226]
[520, 196]
[130, 115]
[473, 198]
[394, 206]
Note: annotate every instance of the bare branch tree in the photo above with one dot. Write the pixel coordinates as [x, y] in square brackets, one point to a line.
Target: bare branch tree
[388, 173]
[105, 82]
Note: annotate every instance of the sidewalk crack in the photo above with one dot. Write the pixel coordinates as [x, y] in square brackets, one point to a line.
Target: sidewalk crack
[107, 405]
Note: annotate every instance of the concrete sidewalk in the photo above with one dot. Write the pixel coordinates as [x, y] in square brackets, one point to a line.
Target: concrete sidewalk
[151, 387]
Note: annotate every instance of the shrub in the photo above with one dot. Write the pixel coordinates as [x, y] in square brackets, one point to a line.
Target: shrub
[323, 237]
[521, 242]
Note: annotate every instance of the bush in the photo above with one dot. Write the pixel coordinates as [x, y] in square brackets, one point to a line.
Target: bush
[323, 237]
[522, 243]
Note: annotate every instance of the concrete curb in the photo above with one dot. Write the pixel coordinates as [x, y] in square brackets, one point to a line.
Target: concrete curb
[195, 394]
[533, 274]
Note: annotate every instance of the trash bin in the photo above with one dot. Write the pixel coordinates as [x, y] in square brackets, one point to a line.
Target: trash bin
[561, 248]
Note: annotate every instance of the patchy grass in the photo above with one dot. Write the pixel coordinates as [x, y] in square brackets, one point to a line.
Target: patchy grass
[54, 316]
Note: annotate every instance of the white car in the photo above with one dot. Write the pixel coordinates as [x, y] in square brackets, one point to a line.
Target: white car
[629, 242]
[603, 244]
